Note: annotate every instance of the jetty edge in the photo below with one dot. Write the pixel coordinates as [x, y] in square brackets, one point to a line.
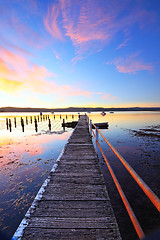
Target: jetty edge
[73, 202]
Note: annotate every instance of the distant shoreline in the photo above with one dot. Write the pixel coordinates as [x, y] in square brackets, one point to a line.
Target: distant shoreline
[78, 109]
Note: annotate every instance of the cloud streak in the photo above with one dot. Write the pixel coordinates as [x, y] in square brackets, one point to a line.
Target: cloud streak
[91, 25]
[51, 22]
[132, 65]
[19, 74]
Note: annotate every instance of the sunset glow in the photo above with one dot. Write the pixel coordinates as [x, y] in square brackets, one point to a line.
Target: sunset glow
[64, 53]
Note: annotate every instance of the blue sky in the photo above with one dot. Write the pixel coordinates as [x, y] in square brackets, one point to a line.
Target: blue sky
[64, 53]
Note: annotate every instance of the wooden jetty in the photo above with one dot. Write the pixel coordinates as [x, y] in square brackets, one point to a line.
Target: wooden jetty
[73, 202]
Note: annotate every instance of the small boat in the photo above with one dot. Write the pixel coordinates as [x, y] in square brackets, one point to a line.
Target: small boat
[103, 125]
[70, 124]
[103, 113]
[111, 112]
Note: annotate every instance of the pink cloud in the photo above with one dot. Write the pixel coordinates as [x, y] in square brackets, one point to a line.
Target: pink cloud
[21, 75]
[57, 55]
[123, 44]
[51, 22]
[105, 96]
[108, 97]
[132, 65]
[91, 25]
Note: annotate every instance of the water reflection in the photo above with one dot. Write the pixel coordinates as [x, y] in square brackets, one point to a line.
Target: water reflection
[33, 123]
[27, 157]
[25, 162]
[142, 152]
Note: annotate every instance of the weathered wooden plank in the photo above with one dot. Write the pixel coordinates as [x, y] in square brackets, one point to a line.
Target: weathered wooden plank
[102, 204]
[46, 209]
[73, 185]
[61, 223]
[71, 234]
[77, 179]
[78, 197]
[76, 174]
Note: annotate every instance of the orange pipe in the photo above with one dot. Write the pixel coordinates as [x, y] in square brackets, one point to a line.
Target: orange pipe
[151, 195]
[132, 216]
[93, 133]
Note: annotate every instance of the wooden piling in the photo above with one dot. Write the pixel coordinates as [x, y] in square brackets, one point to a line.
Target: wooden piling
[31, 119]
[10, 125]
[7, 123]
[15, 123]
[22, 124]
[49, 124]
[26, 120]
[36, 125]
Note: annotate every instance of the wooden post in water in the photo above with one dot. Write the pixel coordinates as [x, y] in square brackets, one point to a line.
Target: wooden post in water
[60, 116]
[66, 116]
[43, 117]
[7, 123]
[54, 116]
[36, 125]
[15, 124]
[31, 119]
[10, 125]
[22, 124]
[46, 117]
[49, 124]
[63, 124]
[38, 118]
[72, 116]
[26, 121]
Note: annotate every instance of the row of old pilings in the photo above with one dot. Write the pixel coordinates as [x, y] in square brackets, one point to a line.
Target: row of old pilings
[36, 119]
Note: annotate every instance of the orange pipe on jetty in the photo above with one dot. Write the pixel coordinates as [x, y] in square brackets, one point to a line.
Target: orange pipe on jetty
[151, 195]
[132, 216]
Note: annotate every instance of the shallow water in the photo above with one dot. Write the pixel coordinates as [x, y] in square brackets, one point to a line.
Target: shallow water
[142, 152]
[26, 159]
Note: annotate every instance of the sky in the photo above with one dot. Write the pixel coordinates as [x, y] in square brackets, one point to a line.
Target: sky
[84, 53]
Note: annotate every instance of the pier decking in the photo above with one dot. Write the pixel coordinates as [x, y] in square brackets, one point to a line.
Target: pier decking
[75, 203]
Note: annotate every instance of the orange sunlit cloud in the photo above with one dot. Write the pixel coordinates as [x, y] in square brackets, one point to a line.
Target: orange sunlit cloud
[21, 74]
[105, 96]
[9, 85]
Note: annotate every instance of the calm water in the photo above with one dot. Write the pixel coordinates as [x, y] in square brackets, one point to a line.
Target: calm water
[142, 152]
[27, 157]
